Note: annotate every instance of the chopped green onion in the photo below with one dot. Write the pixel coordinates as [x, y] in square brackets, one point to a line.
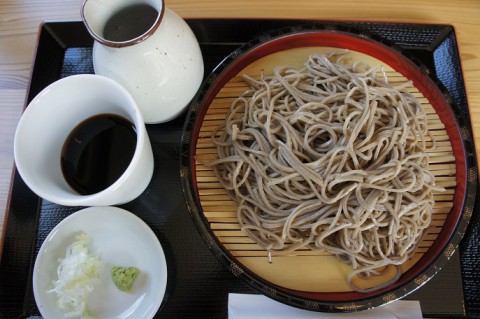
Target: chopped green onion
[77, 277]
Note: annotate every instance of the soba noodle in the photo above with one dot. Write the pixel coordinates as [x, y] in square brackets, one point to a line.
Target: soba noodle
[330, 158]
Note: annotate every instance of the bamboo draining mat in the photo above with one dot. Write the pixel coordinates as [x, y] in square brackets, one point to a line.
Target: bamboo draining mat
[305, 270]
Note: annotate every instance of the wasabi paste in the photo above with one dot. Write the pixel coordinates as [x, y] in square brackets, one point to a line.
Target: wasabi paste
[123, 277]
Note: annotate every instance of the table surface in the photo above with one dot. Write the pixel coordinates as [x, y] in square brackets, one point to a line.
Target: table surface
[20, 19]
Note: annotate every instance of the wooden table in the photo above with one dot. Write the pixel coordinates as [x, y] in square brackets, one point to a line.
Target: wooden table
[19, 21]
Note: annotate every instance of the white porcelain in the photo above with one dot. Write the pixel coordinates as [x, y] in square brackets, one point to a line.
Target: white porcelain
[53, 114]
[162, 69]
[117, 237]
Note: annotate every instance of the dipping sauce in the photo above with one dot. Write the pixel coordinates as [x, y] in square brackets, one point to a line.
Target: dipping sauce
[97, 152]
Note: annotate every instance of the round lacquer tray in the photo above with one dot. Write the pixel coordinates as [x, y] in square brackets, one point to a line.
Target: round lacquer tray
[317, 280]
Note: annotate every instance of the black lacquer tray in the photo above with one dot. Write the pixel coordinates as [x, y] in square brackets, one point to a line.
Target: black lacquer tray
[198, 284]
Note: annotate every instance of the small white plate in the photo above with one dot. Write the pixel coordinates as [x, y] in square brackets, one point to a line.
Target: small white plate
[117, 237]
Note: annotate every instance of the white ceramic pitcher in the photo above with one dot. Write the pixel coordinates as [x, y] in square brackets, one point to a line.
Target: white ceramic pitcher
[158, 60]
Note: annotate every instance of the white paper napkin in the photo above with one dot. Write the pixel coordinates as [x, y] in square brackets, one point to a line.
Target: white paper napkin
[242, 306]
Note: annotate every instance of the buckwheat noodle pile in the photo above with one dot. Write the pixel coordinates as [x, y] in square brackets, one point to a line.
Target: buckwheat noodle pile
[329, 158]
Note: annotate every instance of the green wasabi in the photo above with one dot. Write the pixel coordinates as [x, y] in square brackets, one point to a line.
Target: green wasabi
[123, 277]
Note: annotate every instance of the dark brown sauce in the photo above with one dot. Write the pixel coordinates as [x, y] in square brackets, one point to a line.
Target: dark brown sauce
[97, 152]
[130, 22]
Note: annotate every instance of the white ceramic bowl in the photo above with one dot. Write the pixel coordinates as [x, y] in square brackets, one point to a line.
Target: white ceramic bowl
[49, 119]
[117, 237]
